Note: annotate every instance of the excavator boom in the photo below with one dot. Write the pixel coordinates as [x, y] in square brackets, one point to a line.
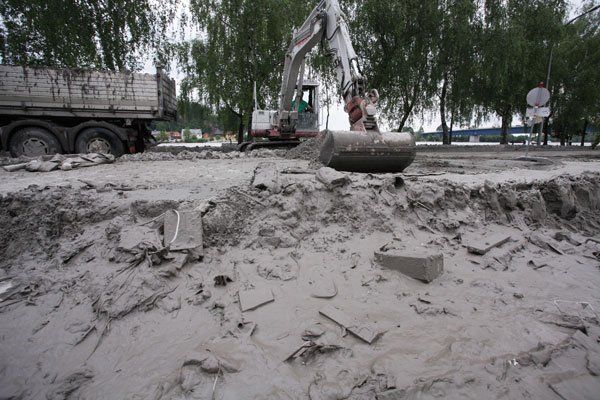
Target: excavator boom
[363, 148]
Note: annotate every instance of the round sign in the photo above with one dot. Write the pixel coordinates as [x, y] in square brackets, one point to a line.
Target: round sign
[538, 97]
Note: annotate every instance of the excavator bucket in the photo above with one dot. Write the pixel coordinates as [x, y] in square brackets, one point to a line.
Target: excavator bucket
[368, 151]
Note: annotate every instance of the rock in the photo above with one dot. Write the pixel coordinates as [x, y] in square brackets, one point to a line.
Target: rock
[421, 266]
[331, 178]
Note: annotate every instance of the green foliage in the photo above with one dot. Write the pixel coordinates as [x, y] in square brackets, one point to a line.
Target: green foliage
[187, 136]
[514, 48]
[85, 33]
[456, 66]
[575, 82]
[395, 40]
[163, 136]
[244, 41]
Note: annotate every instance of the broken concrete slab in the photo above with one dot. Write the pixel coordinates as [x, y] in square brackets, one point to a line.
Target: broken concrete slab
[254, 298]
[266, 177]
[481, 244]
[331, 178]
[580, 388]
[183, 230]
[421, 266]
[362, 330]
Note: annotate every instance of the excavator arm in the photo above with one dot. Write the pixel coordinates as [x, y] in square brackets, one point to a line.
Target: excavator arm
[327, 21]
[364, 148]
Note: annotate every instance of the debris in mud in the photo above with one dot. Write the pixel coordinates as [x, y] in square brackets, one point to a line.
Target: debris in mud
[69, 385]
[183, 231]
[266, 178]
[255, 298]
[324, 289]
[583, 387]
[222, 280]
[280, 271]
[331, 178]
[63, 162]
[540, 263]
[481, 244]
[326, 343]
[360, 329]
[420, 266]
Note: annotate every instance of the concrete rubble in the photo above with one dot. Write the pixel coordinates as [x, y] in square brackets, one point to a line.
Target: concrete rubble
[249, 276]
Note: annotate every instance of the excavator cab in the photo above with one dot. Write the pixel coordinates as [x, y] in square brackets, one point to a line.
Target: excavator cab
[308, 111]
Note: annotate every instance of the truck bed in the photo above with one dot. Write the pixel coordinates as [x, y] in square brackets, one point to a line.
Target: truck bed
[40, 92]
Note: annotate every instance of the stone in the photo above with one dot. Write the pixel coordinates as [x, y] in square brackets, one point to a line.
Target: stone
[331, 178]
[420, 266]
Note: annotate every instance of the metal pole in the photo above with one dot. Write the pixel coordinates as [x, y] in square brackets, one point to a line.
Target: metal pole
[530, 134]
[547, 87]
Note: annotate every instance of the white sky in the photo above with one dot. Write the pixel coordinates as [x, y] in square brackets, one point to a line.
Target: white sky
[338, 119]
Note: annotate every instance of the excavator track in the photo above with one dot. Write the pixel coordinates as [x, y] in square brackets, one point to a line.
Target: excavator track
[274, 144]
[368, 151]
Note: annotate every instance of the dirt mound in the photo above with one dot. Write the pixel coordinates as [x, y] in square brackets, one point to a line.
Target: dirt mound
[295, 242]
[307, 150]
[35, 219]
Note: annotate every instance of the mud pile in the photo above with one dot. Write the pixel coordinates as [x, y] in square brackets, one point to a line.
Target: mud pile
[95, 298]
[307, 150]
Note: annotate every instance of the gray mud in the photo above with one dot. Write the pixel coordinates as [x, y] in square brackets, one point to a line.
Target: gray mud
[92, 306]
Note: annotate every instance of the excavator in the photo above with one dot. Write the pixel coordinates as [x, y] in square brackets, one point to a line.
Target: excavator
[361, 149]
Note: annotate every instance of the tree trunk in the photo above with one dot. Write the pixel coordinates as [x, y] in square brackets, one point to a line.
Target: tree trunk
[240, 135]
[451, 127]
[585, 126]
[546, 131]
[403, 122]
[445, 138]
[504, 130]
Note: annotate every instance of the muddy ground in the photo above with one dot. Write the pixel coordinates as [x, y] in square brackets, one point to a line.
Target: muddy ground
[92, 306]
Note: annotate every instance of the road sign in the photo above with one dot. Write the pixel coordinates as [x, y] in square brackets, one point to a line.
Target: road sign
[538, 97]
[542, 112]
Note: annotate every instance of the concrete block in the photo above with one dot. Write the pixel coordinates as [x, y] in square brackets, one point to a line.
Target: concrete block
[421, 266]
[331, 178]
[266, 177]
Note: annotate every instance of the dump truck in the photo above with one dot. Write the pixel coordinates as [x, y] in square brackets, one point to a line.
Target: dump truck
[48, 110]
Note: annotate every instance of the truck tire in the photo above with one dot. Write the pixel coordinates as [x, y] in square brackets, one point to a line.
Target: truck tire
[33, 142]
[99, 140]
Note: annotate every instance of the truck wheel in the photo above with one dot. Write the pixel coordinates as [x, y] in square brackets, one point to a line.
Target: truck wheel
[99, 140]
[33, 142]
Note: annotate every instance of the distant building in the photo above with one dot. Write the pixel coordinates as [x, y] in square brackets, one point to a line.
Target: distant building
[175, 136]
[197, 133]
